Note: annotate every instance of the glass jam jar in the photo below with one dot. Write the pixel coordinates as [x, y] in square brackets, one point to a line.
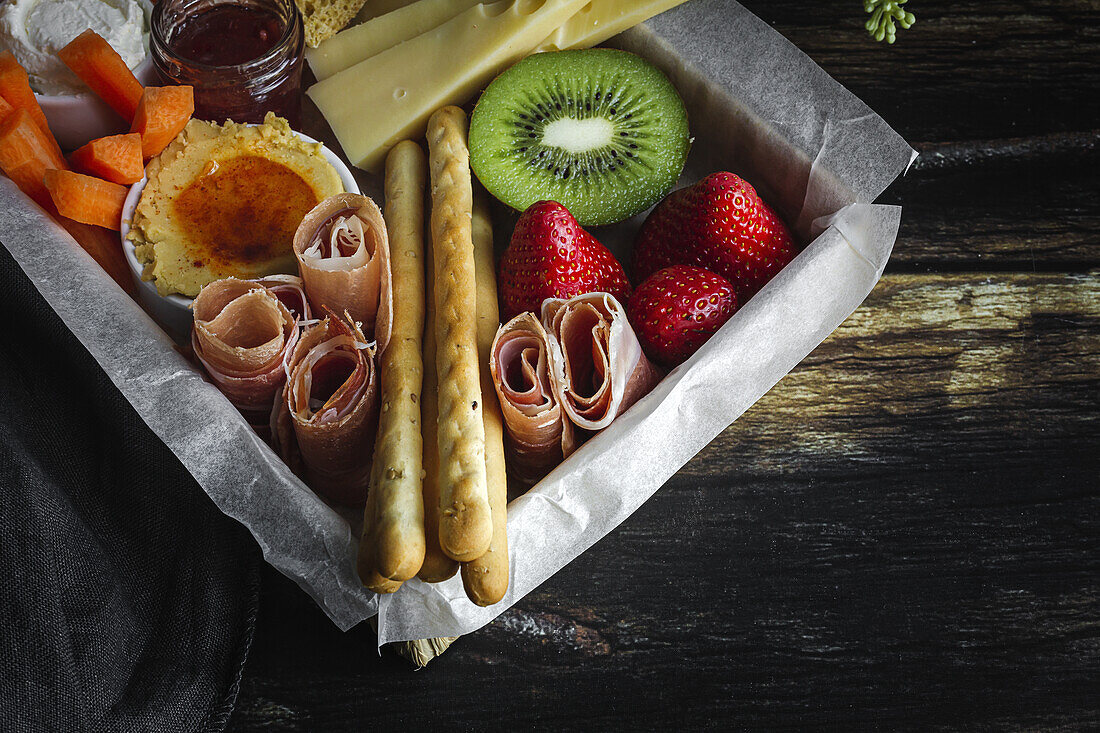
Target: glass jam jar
[243, 57]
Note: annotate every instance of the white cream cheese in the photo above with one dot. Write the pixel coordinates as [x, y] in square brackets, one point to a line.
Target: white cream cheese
[34, 30]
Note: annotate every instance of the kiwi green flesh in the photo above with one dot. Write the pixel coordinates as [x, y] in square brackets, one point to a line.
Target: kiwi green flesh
[601, 131]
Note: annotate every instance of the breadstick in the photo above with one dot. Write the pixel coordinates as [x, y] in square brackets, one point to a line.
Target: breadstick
[437, 566]
[465, 523]
[395, 473]
[368, 575]
[486, 578]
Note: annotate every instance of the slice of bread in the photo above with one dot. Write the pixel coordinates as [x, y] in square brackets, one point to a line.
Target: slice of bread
[325, 18]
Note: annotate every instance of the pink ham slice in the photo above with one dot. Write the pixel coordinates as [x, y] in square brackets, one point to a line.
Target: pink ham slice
[599, 369]
[538, 437]
[324, 423]
[242, 335]
[344, 256]
[291, 292]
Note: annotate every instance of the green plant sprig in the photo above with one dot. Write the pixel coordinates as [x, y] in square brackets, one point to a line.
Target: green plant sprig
[884, 15]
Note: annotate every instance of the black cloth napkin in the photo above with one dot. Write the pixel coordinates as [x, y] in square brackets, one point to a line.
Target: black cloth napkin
[128, 600]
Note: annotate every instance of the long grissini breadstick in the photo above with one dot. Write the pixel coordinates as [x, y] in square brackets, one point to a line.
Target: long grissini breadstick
[465, 522]
[395, 475]
[486, 578]
[368, 574]
[437, 566]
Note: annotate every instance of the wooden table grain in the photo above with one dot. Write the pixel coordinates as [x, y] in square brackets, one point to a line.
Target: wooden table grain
[903, 533]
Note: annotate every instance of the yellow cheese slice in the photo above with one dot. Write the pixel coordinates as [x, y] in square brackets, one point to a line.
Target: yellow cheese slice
[601, 19]
[362, 41]
[591, 25]
[376, 103]
[375, 8]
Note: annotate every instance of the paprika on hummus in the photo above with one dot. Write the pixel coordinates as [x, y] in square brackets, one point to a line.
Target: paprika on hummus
[225, 201]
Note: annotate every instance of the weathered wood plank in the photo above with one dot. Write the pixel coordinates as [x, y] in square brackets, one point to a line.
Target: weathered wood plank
[966, 69]
[1004, 364]
[903, 530]
[1007, 208]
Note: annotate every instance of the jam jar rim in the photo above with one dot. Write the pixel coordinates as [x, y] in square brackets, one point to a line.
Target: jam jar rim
[268, 62]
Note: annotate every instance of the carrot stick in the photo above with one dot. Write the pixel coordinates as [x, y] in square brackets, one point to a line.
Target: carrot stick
[161, 115]
[86, 199]
[5, 109]
[117, 158]
[103, 70]
[26, 154]
[105, 248]
[16, 91]
[28, 178]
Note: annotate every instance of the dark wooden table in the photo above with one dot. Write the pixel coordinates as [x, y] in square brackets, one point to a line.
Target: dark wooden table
[903, 533]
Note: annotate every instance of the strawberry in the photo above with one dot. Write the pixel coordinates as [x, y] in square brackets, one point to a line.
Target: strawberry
[678, 308]
[720, 224]
[550, 256]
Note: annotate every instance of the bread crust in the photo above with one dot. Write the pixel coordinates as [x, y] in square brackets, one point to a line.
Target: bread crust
[486, 578]
[466, 526]
[398, 534]
[437, 566]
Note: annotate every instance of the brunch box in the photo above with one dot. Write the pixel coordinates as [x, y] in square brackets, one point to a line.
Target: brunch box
[756, 106]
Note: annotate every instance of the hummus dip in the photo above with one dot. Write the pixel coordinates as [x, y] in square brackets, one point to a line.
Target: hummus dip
[225, 201]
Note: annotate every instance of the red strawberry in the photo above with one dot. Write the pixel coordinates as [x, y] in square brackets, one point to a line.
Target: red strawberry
[720, 224]
[678, 308]
[550, 256]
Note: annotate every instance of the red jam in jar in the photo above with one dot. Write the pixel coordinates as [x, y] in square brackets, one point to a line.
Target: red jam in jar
[243, 57]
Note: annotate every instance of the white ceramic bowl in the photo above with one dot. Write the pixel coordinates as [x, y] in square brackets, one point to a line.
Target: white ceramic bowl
[77, 118]
[174, 311]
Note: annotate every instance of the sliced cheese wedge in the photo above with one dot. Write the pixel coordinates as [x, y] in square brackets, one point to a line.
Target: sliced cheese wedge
[376, 8]
[360, 42]
[376, 103]
[591, 25]
[601, 19]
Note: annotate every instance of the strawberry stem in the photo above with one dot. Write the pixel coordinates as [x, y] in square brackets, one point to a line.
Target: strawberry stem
[884, 15]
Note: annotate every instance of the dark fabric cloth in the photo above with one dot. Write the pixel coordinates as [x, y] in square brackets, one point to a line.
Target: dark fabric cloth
[128, 600]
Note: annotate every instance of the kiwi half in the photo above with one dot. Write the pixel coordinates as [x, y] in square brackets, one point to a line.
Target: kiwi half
[601, 131]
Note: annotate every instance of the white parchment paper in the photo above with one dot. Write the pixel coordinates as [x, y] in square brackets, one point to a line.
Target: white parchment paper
[758, 107]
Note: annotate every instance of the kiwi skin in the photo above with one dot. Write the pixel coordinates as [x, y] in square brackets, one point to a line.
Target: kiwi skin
[628, 135]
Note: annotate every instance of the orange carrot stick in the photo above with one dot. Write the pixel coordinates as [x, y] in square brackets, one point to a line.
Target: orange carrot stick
[16, 91]
[5, 109]
[161, 115]
[28, 178]
[86, 199]
[103, 70]
[117, 158]
[105, 248]
[26, 154]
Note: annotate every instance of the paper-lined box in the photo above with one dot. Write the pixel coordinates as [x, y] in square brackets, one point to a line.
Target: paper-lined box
[758, 107]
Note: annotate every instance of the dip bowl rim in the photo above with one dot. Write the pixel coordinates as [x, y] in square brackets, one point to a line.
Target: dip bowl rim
[174, 311]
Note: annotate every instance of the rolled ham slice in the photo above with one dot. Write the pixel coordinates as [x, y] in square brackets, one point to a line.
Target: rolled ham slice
[325, 422]
[537, 435]
[291, 292]
[599, 369]
[344, 258]
[242, 335]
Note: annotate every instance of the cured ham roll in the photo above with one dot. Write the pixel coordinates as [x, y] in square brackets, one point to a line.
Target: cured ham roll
[599, 369]
[242, 335]
[291, 292]
[538, 436]
[325, 422]
[344, 257]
